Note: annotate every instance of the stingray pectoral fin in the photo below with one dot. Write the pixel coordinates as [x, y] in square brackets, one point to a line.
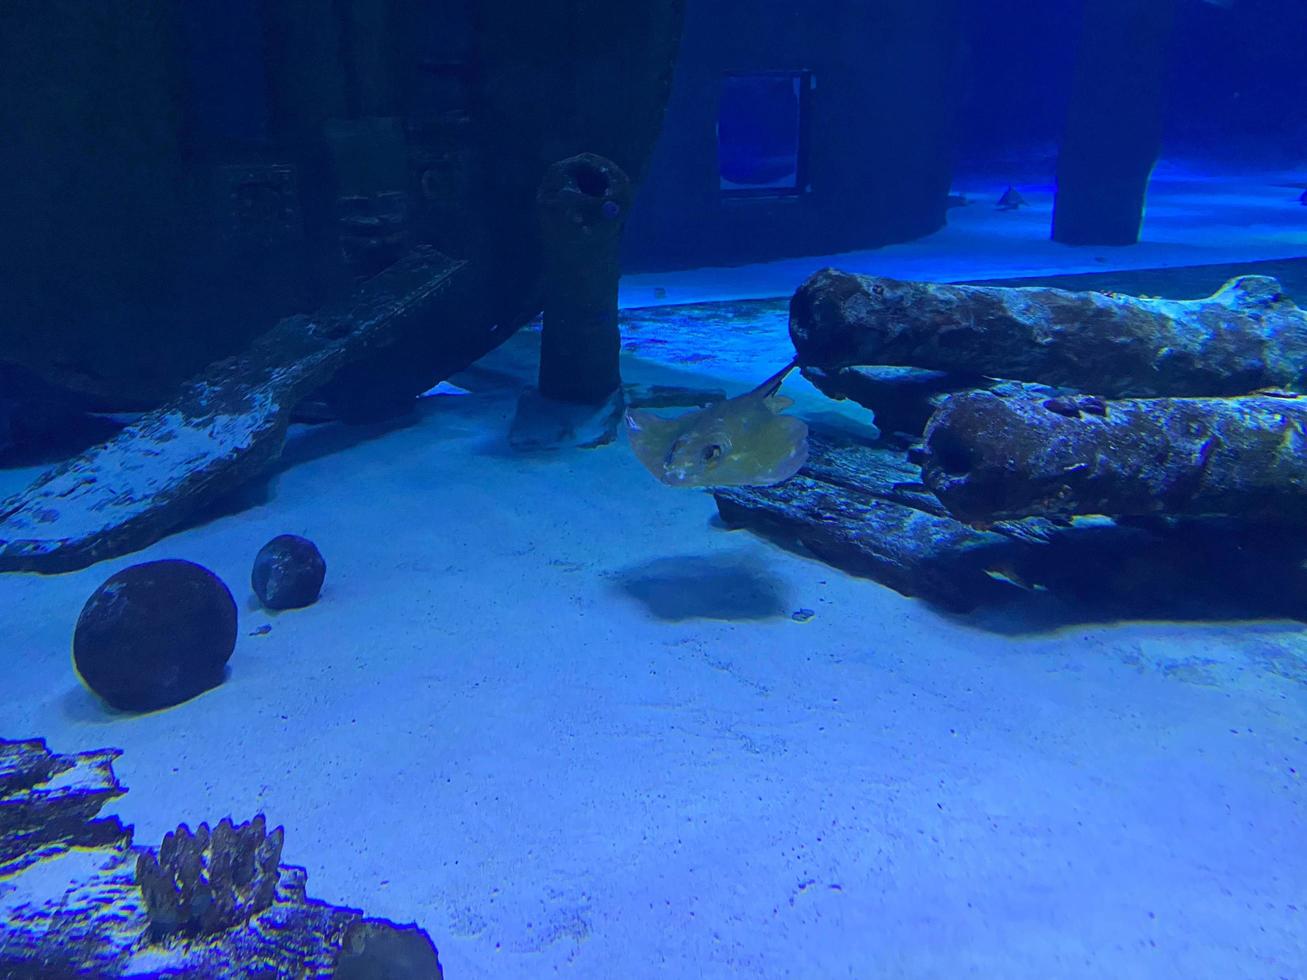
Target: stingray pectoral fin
[772, 454]
[779, 403]
[791, 450]
[651, 439]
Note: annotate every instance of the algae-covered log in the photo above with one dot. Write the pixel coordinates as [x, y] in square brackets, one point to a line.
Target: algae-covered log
[989, 458]
[903, 399]
[1246, 336]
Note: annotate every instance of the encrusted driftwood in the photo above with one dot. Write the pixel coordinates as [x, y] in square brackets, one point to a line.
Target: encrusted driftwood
[857, 506]
[1247, 336]
[223, 428]
[1203, 495]
[70, 905]
[990, 458]
[204, 882]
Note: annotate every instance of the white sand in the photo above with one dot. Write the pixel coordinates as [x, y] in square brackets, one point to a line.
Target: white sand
[550, 710]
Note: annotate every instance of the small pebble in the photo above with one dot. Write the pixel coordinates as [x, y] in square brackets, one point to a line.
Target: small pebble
[802, 615]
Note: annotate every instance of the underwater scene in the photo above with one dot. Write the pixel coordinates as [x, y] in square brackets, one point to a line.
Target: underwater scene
[663, 488]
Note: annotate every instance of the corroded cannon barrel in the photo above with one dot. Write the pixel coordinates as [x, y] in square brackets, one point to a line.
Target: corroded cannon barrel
[989, 458]
[582, 205]
[1246, 336]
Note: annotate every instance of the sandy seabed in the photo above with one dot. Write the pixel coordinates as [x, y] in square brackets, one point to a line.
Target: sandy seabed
[553, 711]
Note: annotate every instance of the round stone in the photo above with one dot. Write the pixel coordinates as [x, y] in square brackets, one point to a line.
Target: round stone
[155, 634]
[288, 572]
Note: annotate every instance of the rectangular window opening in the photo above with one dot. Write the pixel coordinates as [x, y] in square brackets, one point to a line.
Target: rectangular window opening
[761, 126]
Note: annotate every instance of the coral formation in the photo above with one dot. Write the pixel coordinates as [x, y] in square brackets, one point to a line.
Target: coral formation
[205, 882]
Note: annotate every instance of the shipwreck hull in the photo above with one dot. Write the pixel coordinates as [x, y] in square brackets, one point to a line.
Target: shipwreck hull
[160, 238]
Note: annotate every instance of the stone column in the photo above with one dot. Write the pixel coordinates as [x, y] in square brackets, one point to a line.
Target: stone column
[1114, 122]
[582, 205]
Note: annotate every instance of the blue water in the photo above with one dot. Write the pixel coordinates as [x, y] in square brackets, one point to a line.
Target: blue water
[566, 718]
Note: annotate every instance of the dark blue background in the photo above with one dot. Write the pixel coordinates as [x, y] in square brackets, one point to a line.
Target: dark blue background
[1237, 93]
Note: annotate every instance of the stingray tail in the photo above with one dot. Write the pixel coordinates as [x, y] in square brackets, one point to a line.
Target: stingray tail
[773, 384]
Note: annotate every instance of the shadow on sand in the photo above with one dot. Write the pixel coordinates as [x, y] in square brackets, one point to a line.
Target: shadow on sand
[726, 587]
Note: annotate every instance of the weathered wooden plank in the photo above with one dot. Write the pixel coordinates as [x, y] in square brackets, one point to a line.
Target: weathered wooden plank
[851, 507]
[854, 506]
[223, 428]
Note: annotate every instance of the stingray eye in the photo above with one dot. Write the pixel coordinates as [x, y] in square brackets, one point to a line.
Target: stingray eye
[711, 452]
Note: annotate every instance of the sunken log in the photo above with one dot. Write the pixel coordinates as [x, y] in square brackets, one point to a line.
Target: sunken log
[73, 906]
[989, 458]
[226, 426]
[582, 206]
[856, 506]
[1246, 336]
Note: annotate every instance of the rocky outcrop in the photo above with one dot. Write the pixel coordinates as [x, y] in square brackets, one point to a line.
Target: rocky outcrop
[80, 899]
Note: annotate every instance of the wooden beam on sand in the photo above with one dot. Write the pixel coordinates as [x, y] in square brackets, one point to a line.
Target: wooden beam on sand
[223, 428]
[859, 507]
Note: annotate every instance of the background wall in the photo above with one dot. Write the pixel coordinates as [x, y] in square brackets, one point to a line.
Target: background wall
[1237, 95]
[880, 131]
[885, 140]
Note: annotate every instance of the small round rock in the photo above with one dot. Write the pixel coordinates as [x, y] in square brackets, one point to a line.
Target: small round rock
[155, 634]
[288, 572]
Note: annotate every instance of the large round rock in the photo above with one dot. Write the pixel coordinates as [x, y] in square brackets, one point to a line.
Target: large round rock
[288, 572]
[155, 634]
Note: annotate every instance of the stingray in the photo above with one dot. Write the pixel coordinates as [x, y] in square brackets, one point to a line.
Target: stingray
[1011, 200]
[740, 442]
